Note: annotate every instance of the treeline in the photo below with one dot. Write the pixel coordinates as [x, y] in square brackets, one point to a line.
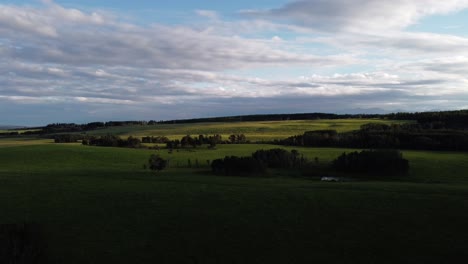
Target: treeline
[101, 141]
[399, 136]
[258, 163]
[112, 141]
[72, 127]
[9, 133]
[212, 141]
[436, 120]
[428, 120]
[187, 141]
[269, 117]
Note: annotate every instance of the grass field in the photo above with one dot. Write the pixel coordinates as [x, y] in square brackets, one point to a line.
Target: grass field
[98, 205]
[255, 131]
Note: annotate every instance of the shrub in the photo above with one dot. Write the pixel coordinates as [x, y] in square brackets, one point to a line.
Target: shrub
[156, 163]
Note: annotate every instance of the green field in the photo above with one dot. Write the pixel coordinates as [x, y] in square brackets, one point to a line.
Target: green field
[254, 131]
[98, 205]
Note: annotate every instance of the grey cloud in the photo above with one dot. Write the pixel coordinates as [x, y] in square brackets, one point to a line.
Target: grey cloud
[87, 39]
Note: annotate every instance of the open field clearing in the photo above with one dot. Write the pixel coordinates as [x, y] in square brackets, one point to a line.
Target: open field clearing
[98, 205]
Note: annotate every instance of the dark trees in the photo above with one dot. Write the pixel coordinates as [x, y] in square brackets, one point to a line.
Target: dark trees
[237, 139]
[152, 139]
[113, 141]
[156, 163]
[67, 138]
[278, 158]
[238, 166]
[377, 162]
[258, 163]
[382, 136]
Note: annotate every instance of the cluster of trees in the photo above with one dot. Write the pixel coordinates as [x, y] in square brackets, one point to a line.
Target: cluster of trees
[237, 139]
[258, 162]
[279, 158]
[404, 136]
[189, 141]
[212, 141]
[375, 162]
[157, 163]
[112, 141]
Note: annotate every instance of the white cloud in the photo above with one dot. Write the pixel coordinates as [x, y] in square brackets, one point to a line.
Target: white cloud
[91, 61]
[359, 15]
[208, 14]
[68, 36]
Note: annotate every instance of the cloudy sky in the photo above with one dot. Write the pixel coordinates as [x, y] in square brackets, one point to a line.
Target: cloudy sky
[87, 60]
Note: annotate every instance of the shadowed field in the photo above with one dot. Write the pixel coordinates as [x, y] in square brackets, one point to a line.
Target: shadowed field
[98, 205]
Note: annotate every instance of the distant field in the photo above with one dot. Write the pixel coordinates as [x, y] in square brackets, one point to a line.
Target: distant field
[22, 141]
[255, 131]
[98, 205]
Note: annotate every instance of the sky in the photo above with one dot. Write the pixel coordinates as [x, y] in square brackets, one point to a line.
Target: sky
[84, 61]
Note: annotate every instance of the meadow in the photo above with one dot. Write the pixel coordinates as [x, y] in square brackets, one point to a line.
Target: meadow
[99, 205]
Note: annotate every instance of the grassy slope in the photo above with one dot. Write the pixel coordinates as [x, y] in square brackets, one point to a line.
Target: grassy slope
[98, 205]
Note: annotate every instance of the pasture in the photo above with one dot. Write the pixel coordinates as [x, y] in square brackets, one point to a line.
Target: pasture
[98, 205]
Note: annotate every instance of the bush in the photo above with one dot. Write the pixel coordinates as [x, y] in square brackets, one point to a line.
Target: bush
[156, 163]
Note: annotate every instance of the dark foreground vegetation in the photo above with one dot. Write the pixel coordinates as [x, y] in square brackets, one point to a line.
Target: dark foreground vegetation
[98, 205]
[21, 244]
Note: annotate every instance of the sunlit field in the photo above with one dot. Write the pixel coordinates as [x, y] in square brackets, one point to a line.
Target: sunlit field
[254, 131]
